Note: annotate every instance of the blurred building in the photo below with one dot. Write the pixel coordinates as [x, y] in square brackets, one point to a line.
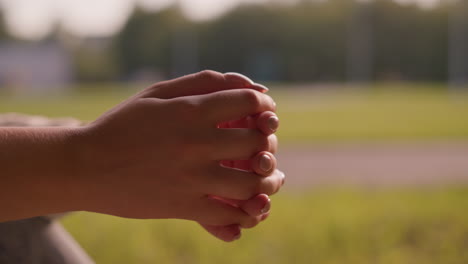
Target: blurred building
[34, 68]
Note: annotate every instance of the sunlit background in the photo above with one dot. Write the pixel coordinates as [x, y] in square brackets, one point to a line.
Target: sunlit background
[372, 98]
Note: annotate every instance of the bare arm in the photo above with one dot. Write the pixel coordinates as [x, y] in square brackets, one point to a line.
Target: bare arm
[39, 172]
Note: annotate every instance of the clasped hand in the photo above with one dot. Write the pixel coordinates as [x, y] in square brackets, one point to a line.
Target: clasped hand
[198, 148]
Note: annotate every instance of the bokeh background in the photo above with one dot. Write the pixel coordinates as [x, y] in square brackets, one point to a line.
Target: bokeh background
[372, 97]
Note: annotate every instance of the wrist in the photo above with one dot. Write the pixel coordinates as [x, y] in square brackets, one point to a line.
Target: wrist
[83, 163]
[92, 173]
[67, 177]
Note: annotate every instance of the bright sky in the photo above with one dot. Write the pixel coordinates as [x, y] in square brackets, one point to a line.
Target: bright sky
[34, 18]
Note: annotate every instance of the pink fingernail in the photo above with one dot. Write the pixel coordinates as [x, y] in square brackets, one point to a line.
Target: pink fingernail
[260, 87]
[266, 164]
[267, 207]
[273, 123]
[283, 178]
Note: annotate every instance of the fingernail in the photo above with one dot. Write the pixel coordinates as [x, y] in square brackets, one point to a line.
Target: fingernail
[261, 88]
[236, 237]
[238, 79]
[273, 123]
[264, 216]
[266, 164]
[283, 176]
[267, 207]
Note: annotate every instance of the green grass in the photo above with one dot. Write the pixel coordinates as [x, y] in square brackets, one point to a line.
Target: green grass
[350, 226]
[362, 115]
[398, 112]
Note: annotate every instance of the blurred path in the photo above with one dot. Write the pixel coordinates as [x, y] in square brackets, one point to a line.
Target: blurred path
[375, 164]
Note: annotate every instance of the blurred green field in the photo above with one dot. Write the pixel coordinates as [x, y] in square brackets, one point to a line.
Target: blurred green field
[401, 112]
[333, 225]
[324, 226]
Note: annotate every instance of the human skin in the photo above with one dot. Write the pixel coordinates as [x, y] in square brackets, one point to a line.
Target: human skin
[258, 206]
[156, 155]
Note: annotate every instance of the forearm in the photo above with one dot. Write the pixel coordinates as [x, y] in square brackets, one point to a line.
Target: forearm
[39, 172]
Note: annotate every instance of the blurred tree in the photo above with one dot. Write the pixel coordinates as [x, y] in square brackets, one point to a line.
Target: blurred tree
[274, 42]
[411, 47]
[360, 41]
[319, 40]
[145, 44]
[309, 41]
[246, 40]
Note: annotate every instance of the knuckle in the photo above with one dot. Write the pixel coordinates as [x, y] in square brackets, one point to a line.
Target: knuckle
[277, 184]
[209, 75]
[276, 189]
[268, 186]
[158, 85]
[252, 98]
[154, 90]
